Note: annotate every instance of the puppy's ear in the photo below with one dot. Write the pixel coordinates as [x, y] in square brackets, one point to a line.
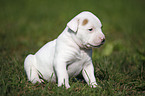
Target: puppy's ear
[73, 24]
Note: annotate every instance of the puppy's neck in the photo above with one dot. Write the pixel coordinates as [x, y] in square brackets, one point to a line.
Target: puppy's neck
[75, 39]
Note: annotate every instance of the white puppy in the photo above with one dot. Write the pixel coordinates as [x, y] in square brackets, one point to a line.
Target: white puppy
[69, 54]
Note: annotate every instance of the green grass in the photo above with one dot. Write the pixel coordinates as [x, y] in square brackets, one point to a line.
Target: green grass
[26, 25]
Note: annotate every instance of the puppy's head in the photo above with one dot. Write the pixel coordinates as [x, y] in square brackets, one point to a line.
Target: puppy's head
[87, 28]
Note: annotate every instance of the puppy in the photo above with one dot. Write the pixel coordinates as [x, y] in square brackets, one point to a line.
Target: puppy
[69, 54]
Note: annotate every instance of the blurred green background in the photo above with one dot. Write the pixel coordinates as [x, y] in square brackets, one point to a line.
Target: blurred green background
[26, 25]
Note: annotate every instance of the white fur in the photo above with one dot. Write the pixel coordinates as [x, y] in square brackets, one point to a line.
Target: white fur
[69, 54]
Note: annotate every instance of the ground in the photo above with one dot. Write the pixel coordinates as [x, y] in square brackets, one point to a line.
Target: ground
[25, 26]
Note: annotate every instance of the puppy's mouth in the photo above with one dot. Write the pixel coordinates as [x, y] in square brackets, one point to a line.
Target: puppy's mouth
[88, 45]
[93, 46]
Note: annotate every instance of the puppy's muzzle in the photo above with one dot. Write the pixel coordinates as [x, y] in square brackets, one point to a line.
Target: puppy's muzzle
[102, 42]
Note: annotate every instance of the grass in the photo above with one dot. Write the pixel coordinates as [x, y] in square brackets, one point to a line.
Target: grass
[119, 64]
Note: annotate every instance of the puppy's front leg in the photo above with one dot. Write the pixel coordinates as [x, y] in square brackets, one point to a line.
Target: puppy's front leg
[88, 74]
[62, 75]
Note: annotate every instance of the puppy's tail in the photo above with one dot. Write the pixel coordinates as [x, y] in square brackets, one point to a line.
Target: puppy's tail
[31, 71]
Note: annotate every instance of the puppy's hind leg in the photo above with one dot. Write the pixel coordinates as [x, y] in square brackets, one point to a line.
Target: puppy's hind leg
[31, 71]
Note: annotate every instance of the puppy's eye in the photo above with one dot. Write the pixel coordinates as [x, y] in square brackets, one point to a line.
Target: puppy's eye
[91, 29]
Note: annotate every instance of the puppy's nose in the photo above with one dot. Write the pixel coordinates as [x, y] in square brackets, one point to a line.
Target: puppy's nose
[103, 41]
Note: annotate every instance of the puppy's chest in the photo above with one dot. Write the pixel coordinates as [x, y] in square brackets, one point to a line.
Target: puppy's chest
[77, 62]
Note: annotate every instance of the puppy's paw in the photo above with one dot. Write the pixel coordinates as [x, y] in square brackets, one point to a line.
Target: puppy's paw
[95, 85]
[66, 86]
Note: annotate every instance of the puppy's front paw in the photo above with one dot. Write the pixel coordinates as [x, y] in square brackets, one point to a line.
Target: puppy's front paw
[66, 85]
[95, 85]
